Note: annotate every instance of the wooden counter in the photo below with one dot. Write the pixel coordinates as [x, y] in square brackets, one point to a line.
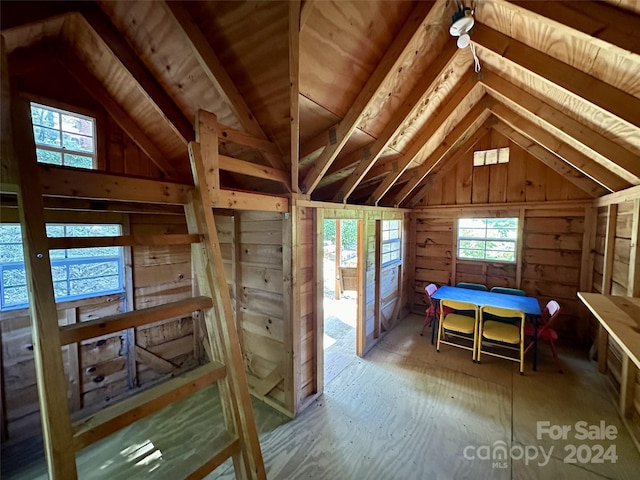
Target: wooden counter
[619, 317]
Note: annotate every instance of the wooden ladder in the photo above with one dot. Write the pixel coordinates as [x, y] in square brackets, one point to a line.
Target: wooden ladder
[62, 438]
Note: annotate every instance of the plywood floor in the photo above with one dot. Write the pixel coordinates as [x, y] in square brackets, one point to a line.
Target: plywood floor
[403, 412]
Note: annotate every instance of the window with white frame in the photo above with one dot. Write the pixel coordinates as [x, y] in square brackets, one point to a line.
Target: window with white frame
[62, 137]
[492, 239]
[77, 272]
[391, 245]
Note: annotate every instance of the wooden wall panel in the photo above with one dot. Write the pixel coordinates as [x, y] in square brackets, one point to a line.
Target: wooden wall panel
[523, 179]
[549, 266]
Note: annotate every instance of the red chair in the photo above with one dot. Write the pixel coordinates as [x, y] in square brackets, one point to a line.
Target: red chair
[431, 309]
[545, 329]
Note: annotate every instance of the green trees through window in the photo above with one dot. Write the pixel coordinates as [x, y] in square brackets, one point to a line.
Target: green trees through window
[390, 241]
[63, 138]
[77, 272]
[488, 239]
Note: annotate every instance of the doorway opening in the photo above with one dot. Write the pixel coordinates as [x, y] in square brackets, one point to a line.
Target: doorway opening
[341, 267]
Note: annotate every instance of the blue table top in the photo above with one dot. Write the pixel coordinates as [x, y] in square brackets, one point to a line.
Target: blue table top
[529, 305]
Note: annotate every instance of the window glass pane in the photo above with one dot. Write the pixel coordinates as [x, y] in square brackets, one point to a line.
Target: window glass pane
[104, 284]
[48, 156]
[475, 244]
[14, 277]
[74, 124]
[503, 246]
[502, 222]
[503, 256]
[471, 223]
[76, 142]
[46, 136]
[44, 117]
[502, 233]
[57, 254]
[55, 230]
[14, 296]
[475, 254]
[93, 270]
[59, 272]
[78, 161]
[60, 289]
[471, 232]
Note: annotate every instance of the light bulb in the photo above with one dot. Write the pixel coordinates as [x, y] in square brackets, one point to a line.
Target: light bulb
[463, 40]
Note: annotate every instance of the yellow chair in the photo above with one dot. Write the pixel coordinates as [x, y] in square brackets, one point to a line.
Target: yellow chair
[506, 328]
[457, 325]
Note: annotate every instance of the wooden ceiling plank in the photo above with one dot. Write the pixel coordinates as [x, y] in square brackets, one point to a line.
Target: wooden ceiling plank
[119, 115]
[218, 75]
[584, 164]
[450, 104]
[130, 60]
[594, 91]
[295, 26]
[370, 153]
[604, 23]
[462, 133]
[448, 165]
[551, 160]
[367, 94]
[509, 93]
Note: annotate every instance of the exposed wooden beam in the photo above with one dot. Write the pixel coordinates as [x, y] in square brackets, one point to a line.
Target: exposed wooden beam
[621, 104]
[16, 14]
[295, 25]
[450, 104]
[217, 74]
[461, 133]
[237, 200]
[207, 148]
[131, 61]
[8, 164]
[247, 139]
[623, 162]
[79, 183]
[305, 11]
[119, 115]
[630, 194]
[236, 165]
[446, 166]
[552, 161]
[605, 24]
[584, 164]
[432, 78]
[348, 124]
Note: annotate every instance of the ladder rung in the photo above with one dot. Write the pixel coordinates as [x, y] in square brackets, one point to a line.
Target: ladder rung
[230, 447]
[116, 323]
[118, 416]
[122, 241]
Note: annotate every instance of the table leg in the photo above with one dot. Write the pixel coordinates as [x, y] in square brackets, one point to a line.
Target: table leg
[603, 349]
[535, 344]
[436, 308]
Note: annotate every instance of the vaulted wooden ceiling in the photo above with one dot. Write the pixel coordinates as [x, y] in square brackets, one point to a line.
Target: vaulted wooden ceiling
[356, 102]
